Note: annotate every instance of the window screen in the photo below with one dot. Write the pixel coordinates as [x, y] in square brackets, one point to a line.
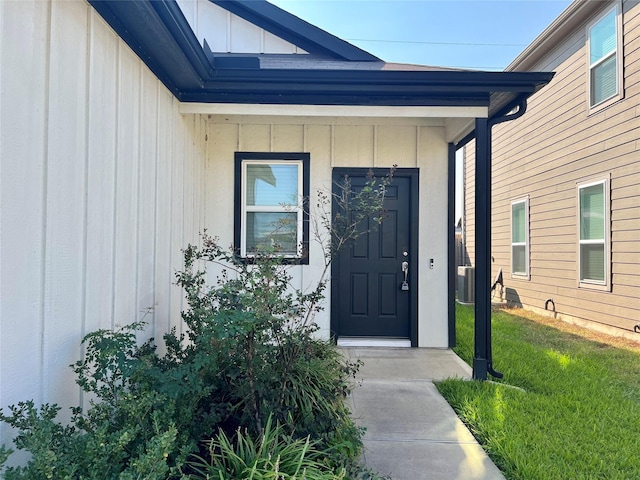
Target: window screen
[270, 204]
[592, 233]
[603, 61]
[520, 237]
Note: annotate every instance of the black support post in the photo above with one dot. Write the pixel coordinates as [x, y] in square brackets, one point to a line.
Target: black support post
[482, 355]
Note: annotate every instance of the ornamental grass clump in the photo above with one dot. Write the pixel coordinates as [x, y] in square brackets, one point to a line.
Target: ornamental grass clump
[276, 455]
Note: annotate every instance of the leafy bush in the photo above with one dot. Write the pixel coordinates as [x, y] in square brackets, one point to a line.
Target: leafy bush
[128, 433]
[249, 358]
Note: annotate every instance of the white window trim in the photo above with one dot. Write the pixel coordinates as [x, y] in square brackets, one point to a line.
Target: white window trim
[527, 273]
[618, 52]
[298, 208]
[595, 284]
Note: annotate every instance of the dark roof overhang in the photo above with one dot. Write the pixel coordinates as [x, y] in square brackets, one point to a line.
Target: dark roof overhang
[161, 36]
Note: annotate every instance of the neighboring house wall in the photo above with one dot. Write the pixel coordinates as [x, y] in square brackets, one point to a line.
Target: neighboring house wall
[469, 207]
[226, 32]
[558, 144]
[345, 142]
[101, 185]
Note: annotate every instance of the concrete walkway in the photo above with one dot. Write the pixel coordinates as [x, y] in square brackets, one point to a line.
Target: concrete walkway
[412, 432]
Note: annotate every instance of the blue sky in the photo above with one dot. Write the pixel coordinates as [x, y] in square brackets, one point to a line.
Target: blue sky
[474, 34]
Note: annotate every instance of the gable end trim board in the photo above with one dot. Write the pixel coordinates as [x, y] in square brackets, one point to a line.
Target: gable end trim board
[294, 30]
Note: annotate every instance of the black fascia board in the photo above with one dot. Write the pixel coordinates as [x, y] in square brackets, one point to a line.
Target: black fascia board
[294, 30]
[357, 87]
[440, 80]
[152, 36]
[179, 28]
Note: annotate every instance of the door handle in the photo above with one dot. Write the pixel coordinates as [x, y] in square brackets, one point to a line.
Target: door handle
[405, 270]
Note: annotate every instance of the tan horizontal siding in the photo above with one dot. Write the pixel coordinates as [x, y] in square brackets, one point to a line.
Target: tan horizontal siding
[623, 249]
[543, 155]
[627, 280]
[624, 235]
[627, 225]
[625, 214]
[624, 203]
[625, 269]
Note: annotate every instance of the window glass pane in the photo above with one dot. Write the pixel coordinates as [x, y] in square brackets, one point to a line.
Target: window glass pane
[603, 37]
[272, 230]
[592, 212]
[518, 223]
[519, 264]
[603, 81]
[270, 185]
[592, 262]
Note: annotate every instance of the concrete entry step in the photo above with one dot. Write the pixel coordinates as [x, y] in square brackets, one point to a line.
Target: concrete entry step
[374, 342]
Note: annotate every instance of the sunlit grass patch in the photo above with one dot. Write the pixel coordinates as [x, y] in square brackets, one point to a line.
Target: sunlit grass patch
[579, 414]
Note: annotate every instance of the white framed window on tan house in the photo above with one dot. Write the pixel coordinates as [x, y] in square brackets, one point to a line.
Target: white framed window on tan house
[271, 217]
[604, 42]
[520, 238]
[594, 233]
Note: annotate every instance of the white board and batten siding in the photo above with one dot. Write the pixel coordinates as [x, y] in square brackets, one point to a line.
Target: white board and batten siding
[103, 181]
[101, 185]
[229, 33]
[344, 142]
[545, 154]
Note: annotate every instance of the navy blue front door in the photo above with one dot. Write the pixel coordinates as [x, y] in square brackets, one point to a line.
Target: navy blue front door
[369, 295]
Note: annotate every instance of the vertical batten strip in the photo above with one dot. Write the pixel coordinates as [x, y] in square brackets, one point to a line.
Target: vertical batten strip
[172, 187]
[375, 145]
[148, 114]
[154, 232]
[177, 212]
[272, 134]
[45, 166]
[138, 194]
[83, 306]
[65, 197]
[203, 173]
[164, 193]
[332, 146]
[418, 145]
[158, 313]
[118, 76]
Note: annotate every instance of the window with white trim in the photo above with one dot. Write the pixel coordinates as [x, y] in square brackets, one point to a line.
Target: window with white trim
[604, 59]
[271, 189]
[520, 237]
[594, 233]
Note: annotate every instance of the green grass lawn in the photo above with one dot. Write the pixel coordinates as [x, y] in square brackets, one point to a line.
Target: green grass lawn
[579, 414]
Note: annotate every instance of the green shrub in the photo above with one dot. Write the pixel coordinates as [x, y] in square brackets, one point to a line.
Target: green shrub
[249, 358]
[128, 432]
[267, 361]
